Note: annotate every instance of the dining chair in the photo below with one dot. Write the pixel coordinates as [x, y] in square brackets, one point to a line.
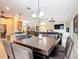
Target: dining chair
[62, 53]
[56, 55]
[21, 52]
[68, 48]
[8, 49]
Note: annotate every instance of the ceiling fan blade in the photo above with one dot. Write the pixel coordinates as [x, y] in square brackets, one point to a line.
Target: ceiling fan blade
[2, 15]
[2, 12]
[5, 17]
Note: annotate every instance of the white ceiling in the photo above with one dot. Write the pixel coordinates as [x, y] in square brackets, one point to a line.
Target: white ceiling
[58, 9]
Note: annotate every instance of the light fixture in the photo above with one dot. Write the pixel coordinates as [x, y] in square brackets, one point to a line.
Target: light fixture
[40, 13]
[7, 8]
[33, 15]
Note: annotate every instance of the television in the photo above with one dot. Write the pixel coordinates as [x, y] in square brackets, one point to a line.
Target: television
[59, 26]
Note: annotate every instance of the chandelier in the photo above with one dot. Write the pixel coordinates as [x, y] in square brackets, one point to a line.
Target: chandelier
[40, 13]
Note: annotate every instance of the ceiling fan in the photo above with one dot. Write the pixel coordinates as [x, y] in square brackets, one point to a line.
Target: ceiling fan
[2, 15]
[52, 20]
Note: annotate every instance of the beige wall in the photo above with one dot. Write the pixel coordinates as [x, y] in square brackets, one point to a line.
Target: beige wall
[74, 37]
[50, 25]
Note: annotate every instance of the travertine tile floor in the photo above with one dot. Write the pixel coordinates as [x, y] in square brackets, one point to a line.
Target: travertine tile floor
[74, 55]
[3, 54]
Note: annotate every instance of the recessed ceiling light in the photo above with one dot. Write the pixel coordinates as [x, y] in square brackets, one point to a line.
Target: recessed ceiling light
[7, 8]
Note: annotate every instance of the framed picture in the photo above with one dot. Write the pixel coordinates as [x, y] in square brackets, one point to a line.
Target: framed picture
[75, 24]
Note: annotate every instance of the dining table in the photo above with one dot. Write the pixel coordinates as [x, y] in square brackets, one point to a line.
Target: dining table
[43, 45]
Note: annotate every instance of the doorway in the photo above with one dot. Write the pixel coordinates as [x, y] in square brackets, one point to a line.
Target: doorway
[3, 30]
